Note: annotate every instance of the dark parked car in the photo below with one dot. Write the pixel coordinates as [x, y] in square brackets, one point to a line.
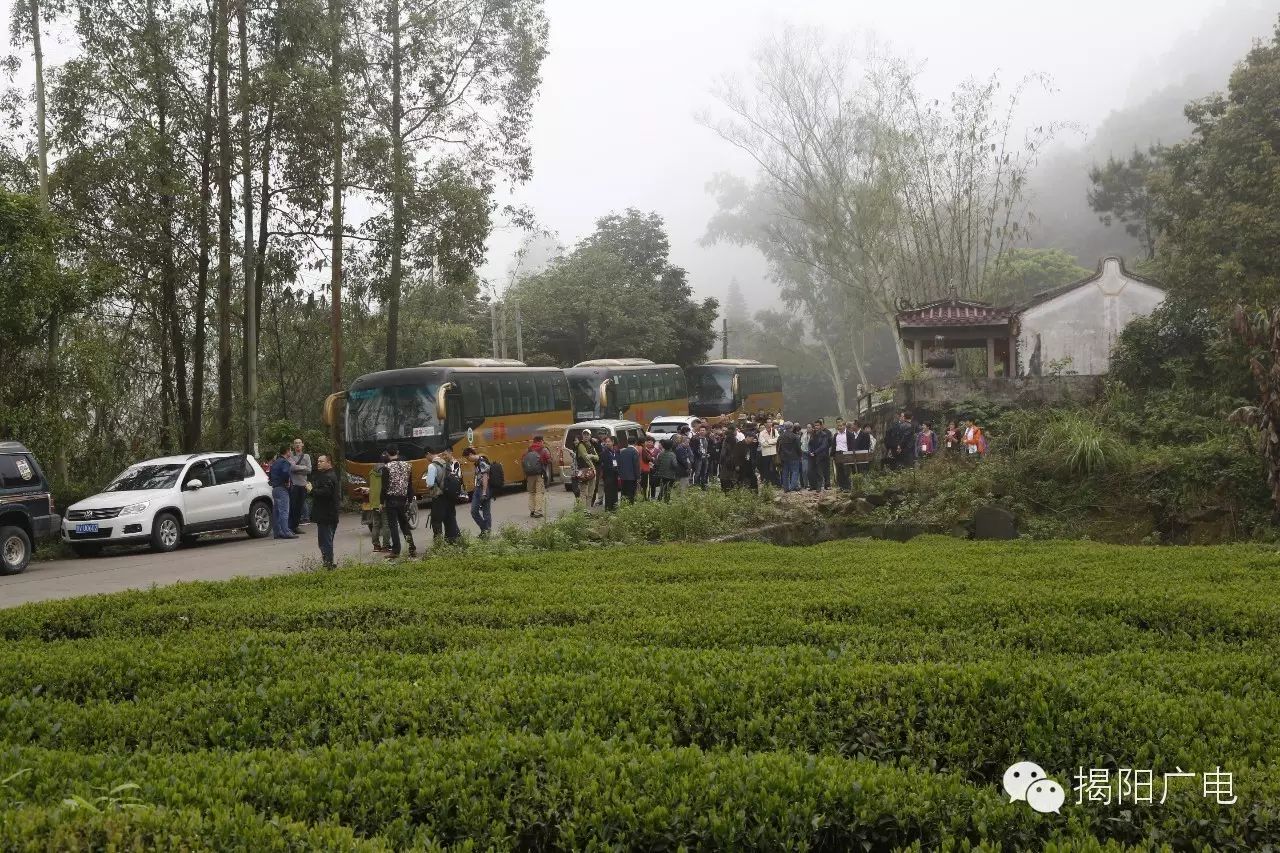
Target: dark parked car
[26, 507]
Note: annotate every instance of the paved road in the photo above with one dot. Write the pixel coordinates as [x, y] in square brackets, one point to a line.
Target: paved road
[235, 555]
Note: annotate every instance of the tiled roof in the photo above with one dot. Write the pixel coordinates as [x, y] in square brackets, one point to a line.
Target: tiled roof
[954, 312]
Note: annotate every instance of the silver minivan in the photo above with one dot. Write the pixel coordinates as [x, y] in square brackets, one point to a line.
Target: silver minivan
[632, 431]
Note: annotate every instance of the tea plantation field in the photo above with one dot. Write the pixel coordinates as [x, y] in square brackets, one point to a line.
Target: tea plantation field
[855, 695]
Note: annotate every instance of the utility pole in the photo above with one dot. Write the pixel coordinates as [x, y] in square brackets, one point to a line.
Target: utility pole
[503, 320]
[493, 325]
[724, 339]
[519, 334]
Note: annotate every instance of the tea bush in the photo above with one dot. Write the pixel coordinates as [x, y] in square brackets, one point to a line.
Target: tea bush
[853, 695]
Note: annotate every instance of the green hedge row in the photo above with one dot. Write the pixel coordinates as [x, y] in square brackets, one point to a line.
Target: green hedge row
[974, 718]
[569, 790]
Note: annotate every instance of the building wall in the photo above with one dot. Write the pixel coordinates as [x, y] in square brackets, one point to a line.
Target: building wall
[1084, 323]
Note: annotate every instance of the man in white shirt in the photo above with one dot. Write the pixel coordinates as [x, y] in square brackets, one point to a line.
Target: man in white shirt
[769, 453]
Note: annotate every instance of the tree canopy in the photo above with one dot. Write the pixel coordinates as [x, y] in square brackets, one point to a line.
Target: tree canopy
[615, 295]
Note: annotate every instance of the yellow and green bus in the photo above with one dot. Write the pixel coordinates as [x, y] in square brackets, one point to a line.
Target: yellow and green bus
[726, 388]
[494, 405]
[633, 389]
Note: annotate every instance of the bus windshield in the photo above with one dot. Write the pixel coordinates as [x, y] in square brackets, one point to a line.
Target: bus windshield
[400, 415]
[710, 384]
[585, 393]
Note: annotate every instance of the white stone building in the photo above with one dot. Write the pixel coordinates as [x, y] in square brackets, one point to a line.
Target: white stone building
[1071, 329]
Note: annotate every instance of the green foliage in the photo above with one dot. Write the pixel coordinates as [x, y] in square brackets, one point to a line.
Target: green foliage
[913, 373]
[1121, 192]
[279, 433]
[1216, 195]
[616, 294]
[1183, 349]
[1021, 273]
[1075, 444]
[704, 696]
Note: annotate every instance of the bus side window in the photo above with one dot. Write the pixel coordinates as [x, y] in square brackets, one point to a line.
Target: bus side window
[510, 396]
[528, 395]
[542, 396]
[492, 399]
[560, 387]
[682, 389]
[472, 399]
[650, 386]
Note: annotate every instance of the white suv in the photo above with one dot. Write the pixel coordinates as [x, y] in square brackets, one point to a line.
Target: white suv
[666, 427]
[171, 500]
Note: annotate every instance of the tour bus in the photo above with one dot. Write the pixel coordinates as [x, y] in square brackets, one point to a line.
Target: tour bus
[633, 389]
[725, 388]
[496, 406]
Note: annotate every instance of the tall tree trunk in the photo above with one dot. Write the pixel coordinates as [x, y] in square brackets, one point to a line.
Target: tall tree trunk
[837, 378]
[225, 398]
[195, 428]
[60, 467]
[335, 285]
[250, 255]
[42, 137]
[397, 192]
[166, 392]
[264, 194]
[264, 215]
[175, 347]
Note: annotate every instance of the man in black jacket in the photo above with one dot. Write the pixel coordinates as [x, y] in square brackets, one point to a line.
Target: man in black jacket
[609, 473]
[325, 500]
[700, 446]
[789, 454]
[819, 457]
[862, 444]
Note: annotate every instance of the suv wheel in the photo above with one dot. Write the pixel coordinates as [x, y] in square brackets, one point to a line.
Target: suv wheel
[259, 519]
[411, 513]
[166, 532]
[15, 550]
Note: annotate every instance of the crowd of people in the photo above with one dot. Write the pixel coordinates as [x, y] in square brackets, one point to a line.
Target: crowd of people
[606, 470]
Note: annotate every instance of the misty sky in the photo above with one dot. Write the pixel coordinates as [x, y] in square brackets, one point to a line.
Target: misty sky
[615, 124]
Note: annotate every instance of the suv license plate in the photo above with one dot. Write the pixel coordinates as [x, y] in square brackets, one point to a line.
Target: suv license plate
[86, 528]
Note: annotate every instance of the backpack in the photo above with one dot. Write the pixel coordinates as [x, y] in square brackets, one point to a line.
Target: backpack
[397, 474]
[530, 463]
[497, 479]
[451, 485]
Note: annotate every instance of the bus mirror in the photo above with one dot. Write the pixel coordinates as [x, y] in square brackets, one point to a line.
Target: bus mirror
[604, 394]
[734, 385]
[333, 405]
[442, 406]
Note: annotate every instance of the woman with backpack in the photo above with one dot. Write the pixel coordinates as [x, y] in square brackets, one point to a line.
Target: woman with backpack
[534, 465]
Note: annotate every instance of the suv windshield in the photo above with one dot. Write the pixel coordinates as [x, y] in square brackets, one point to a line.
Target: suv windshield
[144, 477]
[666, 426]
